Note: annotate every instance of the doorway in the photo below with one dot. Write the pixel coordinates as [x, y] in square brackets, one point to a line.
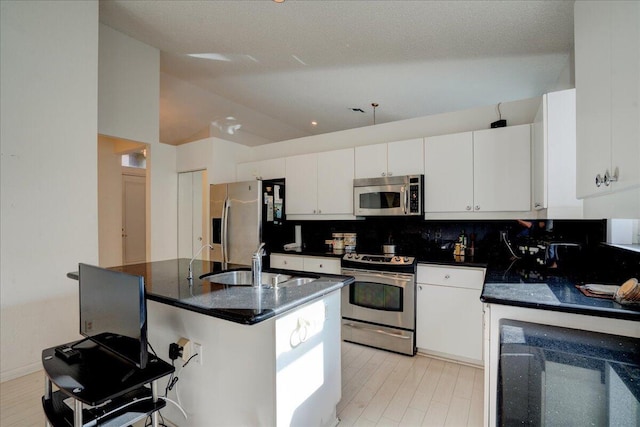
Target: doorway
[134, 218]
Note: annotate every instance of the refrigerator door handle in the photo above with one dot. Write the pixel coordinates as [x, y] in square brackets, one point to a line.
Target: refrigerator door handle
[225, 233]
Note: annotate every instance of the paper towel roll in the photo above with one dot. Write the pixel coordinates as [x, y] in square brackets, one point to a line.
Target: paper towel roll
[299, 235]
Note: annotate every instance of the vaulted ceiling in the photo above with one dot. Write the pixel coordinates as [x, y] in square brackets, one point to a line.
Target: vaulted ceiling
[277, 67]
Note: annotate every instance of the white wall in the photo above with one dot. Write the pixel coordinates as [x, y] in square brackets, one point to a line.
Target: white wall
[161, 161]
[48, 82]
[217, 156]
[129, 88]
[516, 113]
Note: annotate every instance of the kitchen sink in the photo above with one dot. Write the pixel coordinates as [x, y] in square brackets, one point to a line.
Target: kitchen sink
[243, 278]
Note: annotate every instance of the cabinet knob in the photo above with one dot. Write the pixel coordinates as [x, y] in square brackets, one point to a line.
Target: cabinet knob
[384, 174]
[468, 207]
[537, 205]
[599, 180]
[446, 276]
[321, 266]
[608, 179]
[314, 211]
[477, 207]
[389, 173]
[319, 211]
[284, 262]
[420, 287]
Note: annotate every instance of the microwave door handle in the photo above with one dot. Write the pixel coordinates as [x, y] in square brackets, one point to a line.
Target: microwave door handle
[406, 199]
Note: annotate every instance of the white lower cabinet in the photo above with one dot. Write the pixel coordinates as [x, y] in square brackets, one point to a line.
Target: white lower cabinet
[449, 315]
[312, 264]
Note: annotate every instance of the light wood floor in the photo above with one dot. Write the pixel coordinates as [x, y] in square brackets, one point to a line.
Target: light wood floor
[378, 389]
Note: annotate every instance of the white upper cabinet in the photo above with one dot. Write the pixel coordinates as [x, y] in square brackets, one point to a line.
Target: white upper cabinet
[320, 184]
[335, 182]
[607, 58]
[502, 169]
[554, 156]
[391, 159]
[482, 171]
[262, 169]
[448, 177]
[301, 185]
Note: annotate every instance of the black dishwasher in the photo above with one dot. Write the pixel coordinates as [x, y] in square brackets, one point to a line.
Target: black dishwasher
[553, 376]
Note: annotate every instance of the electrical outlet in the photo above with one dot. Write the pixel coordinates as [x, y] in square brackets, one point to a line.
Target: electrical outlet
[197, 349]
[186, 348]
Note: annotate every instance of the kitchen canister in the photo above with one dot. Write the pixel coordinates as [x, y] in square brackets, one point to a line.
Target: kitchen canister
[350, 242]
[338, 242]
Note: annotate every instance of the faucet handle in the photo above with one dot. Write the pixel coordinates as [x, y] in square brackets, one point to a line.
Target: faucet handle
[260, 251]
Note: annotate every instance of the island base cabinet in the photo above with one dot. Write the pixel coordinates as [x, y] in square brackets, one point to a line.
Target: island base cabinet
[284, 371]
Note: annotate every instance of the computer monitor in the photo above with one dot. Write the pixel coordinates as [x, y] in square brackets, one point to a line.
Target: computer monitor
[113, 312]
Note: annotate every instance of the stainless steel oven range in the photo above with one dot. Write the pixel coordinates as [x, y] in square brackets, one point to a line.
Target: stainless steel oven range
[378, 309]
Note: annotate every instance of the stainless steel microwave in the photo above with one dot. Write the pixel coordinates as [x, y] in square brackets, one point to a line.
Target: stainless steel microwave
[388, 196]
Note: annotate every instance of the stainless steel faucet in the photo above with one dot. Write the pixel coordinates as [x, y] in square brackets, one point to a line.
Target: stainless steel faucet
[190, 276]
[256, 266]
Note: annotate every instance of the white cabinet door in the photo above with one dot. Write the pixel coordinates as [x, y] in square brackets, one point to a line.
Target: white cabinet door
[371, 161]
[322, 265]
[286, 262]
[592, 26]
[302, 184]
[262, 169]
[335, 182]
[405, 157]
[625, 94]
[502, 169]
[448, 175]
[607, 46]
[449, 321]
[449, 314]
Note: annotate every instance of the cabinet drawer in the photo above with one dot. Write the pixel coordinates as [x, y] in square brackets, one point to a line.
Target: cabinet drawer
[322, 265]
[460, 277]
[287, 262]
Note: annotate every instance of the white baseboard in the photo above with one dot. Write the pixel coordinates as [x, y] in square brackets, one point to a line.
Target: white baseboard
[12, 374]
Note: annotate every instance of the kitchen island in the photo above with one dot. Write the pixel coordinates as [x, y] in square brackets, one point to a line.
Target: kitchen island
[543, 297]
[268, 356]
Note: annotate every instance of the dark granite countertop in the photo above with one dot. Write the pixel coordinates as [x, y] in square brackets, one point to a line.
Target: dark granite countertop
[166, 282]
[525, 285]
[546, 289]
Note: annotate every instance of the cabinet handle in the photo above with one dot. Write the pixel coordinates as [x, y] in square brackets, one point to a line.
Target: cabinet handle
[608, 179]
[477, 207]
[446, 276]
[319, 211]
[384, 174]
[314, 211]
[599, 180]
[420, 287]
[468, 207]
[321, 266]
[284, 262]
[537, 205]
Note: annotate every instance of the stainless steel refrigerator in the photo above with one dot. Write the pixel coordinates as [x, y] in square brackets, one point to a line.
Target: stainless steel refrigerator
[240, 212]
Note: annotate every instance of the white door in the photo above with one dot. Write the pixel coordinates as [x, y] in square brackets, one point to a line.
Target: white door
[191, 213]
[502, 169]
[302, 185]
[405, 157]
[448, 175]
[134, 219]
[335, 182]
[371, 161]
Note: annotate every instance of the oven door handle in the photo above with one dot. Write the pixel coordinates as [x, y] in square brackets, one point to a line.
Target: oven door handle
[380, 331]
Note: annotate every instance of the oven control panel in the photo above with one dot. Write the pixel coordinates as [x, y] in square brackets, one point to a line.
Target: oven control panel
[379, 259]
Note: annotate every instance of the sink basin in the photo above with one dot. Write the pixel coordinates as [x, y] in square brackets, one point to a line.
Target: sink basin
[296, 281]
[243, 278]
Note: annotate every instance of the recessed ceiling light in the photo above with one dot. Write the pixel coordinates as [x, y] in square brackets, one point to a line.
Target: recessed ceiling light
[278, 1]
[313, 123]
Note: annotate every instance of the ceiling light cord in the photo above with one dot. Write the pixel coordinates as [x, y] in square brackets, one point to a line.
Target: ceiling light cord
[374, 105]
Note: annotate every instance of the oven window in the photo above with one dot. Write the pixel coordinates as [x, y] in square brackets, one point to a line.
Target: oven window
[380, 200]
[376, 296]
